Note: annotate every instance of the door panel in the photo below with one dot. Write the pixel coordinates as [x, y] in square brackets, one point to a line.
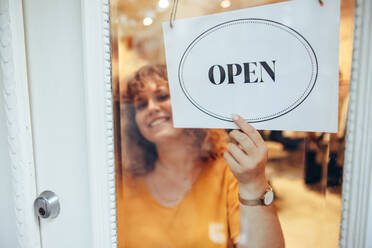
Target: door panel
[54, 50]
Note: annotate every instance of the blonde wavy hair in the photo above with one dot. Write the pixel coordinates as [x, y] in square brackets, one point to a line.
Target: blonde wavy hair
[140, 154]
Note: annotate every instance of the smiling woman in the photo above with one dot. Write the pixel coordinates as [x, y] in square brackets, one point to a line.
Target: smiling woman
[177, 189]
[147, 119]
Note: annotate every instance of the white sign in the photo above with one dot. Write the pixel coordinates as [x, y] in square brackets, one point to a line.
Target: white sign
[275, 65]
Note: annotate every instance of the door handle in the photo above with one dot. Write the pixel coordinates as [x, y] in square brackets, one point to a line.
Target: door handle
[47, 205]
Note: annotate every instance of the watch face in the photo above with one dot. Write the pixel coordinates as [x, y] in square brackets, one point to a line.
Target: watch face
[268, 198]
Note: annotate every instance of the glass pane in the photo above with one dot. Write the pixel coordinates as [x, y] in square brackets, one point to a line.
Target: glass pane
[159, 206]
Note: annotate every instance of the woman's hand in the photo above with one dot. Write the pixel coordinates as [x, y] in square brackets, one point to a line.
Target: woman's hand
[247, 159]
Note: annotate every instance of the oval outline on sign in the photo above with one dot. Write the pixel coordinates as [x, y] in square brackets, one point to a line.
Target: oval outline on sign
[297, 35]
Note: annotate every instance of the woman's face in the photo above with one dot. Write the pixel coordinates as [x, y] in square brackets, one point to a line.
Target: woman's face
[154, 114]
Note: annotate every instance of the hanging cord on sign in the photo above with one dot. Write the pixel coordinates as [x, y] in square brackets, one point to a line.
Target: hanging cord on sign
[173, 13]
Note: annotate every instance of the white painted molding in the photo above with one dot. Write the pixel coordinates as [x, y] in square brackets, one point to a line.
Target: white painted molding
[358, 168]
[14, 77]
[99, 116]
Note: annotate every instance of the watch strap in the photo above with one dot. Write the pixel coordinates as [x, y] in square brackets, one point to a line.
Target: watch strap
[256, 202]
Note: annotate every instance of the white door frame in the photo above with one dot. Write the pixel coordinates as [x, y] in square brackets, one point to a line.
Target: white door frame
[357, 188]
[13, 74]
[99, 114]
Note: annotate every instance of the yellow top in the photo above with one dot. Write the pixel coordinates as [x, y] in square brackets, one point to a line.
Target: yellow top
[207, 216]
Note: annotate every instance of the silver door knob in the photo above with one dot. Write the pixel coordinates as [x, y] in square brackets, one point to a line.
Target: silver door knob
[47, 205]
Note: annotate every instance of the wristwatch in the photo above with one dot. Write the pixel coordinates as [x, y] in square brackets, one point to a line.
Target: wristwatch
[266, 199]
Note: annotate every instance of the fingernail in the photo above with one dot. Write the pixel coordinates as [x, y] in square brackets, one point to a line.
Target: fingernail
[235, 117]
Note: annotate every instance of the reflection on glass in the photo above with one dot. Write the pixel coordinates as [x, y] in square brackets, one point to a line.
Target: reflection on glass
[305, 169]
[177, 184]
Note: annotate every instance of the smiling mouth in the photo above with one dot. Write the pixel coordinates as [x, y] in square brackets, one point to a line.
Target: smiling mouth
[158, 121]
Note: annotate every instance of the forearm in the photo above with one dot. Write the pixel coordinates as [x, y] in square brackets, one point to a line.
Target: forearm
[259, 227]
[259, 224]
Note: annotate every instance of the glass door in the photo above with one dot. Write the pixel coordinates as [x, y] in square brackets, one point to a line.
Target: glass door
[182, 205]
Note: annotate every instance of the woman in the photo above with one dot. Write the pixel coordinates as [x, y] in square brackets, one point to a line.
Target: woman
[177, 188]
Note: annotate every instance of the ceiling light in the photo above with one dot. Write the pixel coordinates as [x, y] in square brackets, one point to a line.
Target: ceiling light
[163, 4]
[225, 4]
[147, 21]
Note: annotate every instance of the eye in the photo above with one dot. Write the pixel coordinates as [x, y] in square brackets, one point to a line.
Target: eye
[162, 97]
[140, 104]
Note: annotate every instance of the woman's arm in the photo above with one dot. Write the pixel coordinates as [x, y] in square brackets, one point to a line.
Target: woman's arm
[259, 225]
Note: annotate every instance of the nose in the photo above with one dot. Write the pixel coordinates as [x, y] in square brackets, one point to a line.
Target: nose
[152, 106]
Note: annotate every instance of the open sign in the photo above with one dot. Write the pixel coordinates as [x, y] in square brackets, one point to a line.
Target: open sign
[252, 72]
[257, 39]
[270, 64]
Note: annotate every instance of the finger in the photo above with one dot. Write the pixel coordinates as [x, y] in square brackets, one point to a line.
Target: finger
[243, 140]
[237, 153]
[248, 129]
[234, 166]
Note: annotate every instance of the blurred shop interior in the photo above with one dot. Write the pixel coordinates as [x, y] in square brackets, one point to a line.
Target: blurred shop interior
[305, 169]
